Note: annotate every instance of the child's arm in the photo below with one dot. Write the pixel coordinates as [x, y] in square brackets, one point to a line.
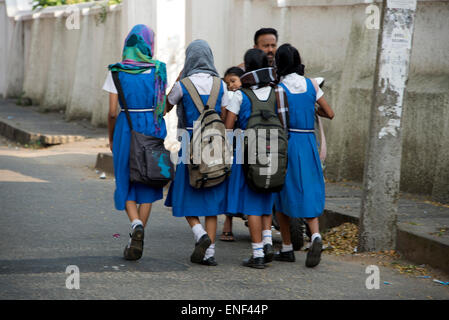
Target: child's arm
[168, 105]
[230, 119]
[324, 109]
[224, 111]
[112, 116]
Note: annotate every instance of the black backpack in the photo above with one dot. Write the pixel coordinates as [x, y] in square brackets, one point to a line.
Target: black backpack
[264, 168]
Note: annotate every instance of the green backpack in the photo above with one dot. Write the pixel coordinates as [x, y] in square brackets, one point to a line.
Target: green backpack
[264, 166]
[209, 137]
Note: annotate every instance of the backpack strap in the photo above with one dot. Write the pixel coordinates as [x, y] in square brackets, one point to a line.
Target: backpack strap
[216, 85]
[213, 96]
[193, 94]
[121, 96]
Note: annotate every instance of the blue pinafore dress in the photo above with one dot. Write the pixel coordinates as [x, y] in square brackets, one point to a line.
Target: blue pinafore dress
[138, 90]
[185, 200]
[303, 194]
[240, 197]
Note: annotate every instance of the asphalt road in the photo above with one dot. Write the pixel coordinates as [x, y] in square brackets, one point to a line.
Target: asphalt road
[55, 212]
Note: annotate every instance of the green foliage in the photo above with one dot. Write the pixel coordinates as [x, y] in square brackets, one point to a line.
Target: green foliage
[39, 4]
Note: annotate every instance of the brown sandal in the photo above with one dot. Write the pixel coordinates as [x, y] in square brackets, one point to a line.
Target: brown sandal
[227, 236]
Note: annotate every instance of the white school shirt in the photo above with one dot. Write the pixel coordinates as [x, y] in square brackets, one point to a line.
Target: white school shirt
[236, 101]
[293, 81]
[109, 84]
[203, 84]
[298, 84]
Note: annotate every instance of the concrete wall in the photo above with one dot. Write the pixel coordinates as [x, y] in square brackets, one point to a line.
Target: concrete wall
[334, 42]
[63, 69]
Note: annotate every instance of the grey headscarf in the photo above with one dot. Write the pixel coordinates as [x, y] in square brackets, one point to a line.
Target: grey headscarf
[199, 59]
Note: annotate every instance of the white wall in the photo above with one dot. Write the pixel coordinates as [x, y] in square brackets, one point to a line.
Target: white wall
[334, 42]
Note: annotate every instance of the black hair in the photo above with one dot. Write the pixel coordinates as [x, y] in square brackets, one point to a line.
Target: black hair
[255, 59]
[288, 61]
[263, 31]
[234, 71]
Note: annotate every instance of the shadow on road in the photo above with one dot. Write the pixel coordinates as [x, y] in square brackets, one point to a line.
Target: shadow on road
[89, 264]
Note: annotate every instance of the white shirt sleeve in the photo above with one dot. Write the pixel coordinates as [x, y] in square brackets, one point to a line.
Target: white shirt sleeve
[225, 98]
[109, 85]
[235, 103]
[319, 92]
[175, 94]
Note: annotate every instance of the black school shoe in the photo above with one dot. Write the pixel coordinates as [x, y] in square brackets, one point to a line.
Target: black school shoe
[134, 250]
[288, 256]
[200, 249]
[269, 252]
[314, 253]
[258, 263]
[209, 262]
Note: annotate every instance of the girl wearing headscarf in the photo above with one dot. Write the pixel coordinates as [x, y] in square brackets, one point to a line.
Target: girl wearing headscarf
[259, 77]
[185, 200]
[303, 193]
[143, 81]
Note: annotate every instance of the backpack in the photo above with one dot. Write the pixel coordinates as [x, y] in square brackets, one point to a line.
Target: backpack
[264, 168]
[208, 140]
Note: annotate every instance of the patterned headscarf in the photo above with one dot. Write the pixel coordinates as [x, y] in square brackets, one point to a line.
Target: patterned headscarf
[137, 58]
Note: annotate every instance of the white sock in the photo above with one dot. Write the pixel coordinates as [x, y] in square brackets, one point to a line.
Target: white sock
[258, 250]
[315, 235]
[286, 247]
[198, 231]
[210, 252]
[135, 223]
[267, 237]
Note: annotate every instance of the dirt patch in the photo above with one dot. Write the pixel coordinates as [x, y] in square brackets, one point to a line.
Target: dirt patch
[342, 242]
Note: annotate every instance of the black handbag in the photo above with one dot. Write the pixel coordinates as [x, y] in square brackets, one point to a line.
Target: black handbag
[149, 161]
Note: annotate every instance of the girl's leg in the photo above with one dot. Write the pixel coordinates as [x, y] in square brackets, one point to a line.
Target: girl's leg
[202, 239]
[227, 226]
[287, 254]
[131, 210]
[227, 229]
[314, 253]
[267, 221]
[134, 249]
[255, 228]
[193, 221]
[284, 223]
[211, 227]
[197, 227]
[267, 237]
[144, 212]
[313, 225]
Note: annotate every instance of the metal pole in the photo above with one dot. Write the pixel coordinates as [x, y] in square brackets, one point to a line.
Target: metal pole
[383, 161]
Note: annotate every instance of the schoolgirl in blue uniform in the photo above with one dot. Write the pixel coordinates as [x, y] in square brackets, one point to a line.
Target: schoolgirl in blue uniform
[143, 81]
[240, 198]
[185, 200]
[303, 193]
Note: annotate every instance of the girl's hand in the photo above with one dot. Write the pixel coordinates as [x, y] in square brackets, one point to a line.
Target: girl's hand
[324, 109]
